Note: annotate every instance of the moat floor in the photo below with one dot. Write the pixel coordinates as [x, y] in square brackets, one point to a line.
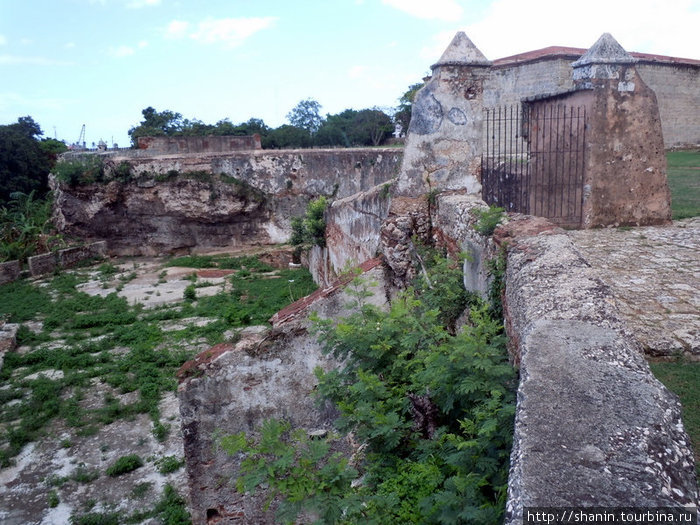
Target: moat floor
[654, 273]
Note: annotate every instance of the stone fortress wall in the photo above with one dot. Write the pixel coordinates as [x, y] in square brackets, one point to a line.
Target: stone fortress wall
[676, 82]
[593, 426]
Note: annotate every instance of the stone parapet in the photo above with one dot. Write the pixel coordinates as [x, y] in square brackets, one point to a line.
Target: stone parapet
[593, 426]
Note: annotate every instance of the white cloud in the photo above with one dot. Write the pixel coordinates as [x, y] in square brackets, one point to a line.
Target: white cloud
[69, 45]
[3, 40]
[138, 4]
[230, 31]
[14, 60]
[357, 71]
[513, 26]
[121, 51]
[448, 10]
[142, 44]
[177, 29]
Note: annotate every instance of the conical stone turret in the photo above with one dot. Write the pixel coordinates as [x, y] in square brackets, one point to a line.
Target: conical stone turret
[603, 60]
[462, 52]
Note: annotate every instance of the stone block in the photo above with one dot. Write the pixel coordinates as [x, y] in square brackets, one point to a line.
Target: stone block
[42, 264]
[9, 271]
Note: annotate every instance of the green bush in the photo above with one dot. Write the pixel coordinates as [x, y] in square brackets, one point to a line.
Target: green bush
[488, 220]
[311, 229]
[169, 464]
[434, 410]
[124, 465]
[190, 293]
[26, 228]
[78, 171]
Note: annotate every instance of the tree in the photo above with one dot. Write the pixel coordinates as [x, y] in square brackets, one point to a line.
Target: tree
[287, 136]
[24, 164]
[306, 115]
[367, 127]
[402, 117]
[155, 124]
[372, 127]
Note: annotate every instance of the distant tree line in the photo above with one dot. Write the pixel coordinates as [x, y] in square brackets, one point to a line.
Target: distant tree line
[306, 127]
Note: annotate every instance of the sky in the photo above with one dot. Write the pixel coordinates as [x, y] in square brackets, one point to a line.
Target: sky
[99, 63]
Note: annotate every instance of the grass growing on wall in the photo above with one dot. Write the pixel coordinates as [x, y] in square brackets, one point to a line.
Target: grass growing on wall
[684, 182]
[683, 378]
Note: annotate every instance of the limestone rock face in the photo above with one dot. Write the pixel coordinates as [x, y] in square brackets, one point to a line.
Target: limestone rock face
[177, 202]
[165, 217]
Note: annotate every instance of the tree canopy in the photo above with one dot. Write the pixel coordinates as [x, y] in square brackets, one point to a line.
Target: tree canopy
[306, 115]
[402, 117]
[25, 160]
[306, 127]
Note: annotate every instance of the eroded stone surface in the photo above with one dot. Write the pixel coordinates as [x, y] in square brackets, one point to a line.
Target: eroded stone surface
[654, 274]
[593, 426]
[232, 388]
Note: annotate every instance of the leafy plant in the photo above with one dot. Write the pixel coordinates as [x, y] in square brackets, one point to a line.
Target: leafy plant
[433, 409]
[25, 227]
[169, 464]
[488, 220]
[306, 471]
[190, 293]
[124, 464]
[85, 169]
[311, 229]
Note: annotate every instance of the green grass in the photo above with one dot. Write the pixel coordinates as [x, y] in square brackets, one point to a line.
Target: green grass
[147, 367]
[684, 182]
[245, 262]
[683, 378]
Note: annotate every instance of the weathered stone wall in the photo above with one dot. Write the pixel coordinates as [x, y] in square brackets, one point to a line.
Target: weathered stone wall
[677, 88]
[10, 271]
[593, 426]
[66, 258]
[250, 199]
[234, 388]
[352, 233]
[208, 144]
[676, 83]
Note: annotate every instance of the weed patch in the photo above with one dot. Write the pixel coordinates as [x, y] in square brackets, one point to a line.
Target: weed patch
[124, 465]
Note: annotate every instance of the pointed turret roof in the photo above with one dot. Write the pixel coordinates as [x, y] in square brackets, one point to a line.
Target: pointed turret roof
[606, 50]
[462, 52]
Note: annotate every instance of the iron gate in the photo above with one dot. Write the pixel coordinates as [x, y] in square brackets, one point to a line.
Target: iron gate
[533, 160]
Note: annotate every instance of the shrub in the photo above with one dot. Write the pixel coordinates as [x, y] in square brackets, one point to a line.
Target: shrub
[311, 229]
[488, 219]
[124, 465]
[83, 170]
[434, 411]
[169, 464]
[190, 293]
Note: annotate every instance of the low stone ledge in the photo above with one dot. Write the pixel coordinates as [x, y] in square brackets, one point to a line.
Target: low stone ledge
[70, 257]
[42, 264]
[66, 258]
[8, 339]
[10, 271]
[593, 426]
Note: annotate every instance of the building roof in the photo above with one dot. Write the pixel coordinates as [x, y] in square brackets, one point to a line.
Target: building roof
[574, 53]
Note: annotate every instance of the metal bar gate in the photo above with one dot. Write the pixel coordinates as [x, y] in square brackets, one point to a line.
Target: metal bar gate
[533, 160]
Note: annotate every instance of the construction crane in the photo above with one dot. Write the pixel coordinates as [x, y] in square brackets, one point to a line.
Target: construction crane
[81, 138]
